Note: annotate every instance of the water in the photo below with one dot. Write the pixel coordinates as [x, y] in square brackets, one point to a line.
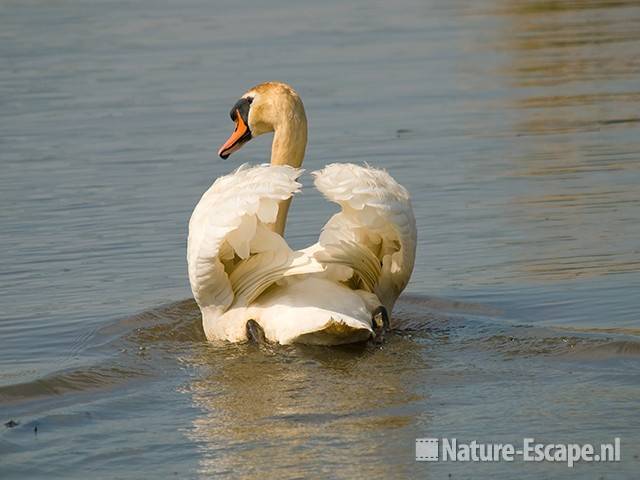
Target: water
[514, 125]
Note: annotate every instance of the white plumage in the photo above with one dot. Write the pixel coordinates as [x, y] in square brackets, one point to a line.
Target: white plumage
[377, 217]
[241, 268]
[233, 257]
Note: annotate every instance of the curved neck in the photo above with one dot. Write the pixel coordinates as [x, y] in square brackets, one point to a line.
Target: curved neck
[288, 147]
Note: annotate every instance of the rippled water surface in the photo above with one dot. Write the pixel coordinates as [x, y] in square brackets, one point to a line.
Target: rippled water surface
[515, 125]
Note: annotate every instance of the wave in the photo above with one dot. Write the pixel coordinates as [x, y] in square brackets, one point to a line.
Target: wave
[154, 341]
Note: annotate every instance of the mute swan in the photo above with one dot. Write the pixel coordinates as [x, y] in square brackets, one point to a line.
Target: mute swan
[246, 280]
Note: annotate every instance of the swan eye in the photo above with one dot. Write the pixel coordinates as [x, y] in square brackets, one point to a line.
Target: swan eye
[241, 106]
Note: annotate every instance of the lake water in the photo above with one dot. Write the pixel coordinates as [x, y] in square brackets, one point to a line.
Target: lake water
[515, 125]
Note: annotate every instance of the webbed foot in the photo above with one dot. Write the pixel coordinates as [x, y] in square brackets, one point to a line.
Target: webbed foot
[379, 323]
[255, 333]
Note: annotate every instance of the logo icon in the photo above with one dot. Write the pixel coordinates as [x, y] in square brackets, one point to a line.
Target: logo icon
[427, 449]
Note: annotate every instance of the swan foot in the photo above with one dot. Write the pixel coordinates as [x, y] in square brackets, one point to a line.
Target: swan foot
[255, 333]
[379, 323]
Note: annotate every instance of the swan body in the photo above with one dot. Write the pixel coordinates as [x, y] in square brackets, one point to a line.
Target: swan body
[240, 266]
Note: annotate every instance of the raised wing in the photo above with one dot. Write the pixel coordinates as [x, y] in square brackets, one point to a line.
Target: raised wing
[232, 255]
[372, 241]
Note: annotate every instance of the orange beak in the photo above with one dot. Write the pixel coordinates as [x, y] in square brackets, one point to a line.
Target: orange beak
[238, 138]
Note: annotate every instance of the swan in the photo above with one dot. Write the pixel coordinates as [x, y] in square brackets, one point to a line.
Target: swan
[250, 285]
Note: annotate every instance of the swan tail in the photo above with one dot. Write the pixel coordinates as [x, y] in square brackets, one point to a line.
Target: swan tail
[335, 332]
[313, 311]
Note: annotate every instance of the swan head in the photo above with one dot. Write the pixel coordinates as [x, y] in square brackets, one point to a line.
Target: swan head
[267, 107]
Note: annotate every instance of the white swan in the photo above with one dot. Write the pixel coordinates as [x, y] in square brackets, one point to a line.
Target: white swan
[246, 280]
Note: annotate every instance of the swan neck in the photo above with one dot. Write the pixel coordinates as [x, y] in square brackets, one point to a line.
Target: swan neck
[290, 141]
[288, 148]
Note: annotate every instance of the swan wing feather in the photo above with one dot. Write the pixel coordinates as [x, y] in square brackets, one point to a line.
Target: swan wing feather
[230, 251]
[376, 225]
